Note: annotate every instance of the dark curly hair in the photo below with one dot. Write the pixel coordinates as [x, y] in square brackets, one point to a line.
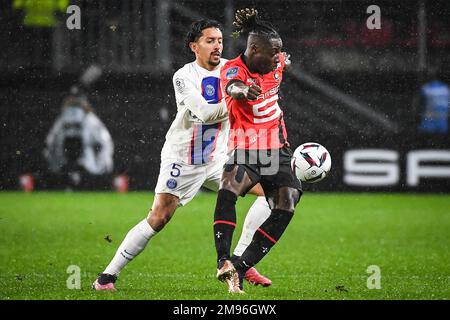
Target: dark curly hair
[196, 29]
[247, 21]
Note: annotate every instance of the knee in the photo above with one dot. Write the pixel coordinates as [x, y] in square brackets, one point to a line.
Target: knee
[288, 200]
[228, 182]
[229, 186]
[159, 216]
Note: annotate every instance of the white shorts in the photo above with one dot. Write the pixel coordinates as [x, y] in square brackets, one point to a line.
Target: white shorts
[185, 180]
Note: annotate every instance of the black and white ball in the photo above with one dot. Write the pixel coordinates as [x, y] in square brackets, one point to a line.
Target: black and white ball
[311, 162]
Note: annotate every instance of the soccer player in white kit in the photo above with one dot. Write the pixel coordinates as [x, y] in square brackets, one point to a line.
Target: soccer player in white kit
[193, 155]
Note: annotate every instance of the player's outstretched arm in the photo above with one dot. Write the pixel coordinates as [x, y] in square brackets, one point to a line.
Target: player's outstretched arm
[238, 90]
[191, 97]
[206, 112]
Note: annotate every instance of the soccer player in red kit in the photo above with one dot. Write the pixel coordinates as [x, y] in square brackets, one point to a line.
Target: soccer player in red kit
[261, 152]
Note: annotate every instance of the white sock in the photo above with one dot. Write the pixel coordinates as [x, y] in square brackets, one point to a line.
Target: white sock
[257, 214]
[133, 244]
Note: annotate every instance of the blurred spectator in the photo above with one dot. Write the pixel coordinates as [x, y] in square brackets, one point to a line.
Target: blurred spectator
[433, 102]
[79, 142]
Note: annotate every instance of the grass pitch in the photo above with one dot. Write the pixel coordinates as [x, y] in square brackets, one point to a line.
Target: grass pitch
[324, 254]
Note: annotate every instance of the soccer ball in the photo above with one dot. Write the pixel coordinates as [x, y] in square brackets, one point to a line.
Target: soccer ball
[311, 162]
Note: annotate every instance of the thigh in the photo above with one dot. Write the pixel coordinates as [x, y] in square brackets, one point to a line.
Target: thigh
[283, 190]
[180, 179]
[214, 176]
[285, 177]
[237, 179]
[214, 172]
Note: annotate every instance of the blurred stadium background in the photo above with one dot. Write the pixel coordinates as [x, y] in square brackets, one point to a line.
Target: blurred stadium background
[351, 89]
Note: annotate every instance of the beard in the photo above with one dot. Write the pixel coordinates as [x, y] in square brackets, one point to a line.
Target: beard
[213, 63]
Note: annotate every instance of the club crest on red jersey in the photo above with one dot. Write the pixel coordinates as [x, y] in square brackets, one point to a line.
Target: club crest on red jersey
[232, 72]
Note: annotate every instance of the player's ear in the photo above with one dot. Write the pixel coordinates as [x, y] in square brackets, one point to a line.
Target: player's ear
[193, 46]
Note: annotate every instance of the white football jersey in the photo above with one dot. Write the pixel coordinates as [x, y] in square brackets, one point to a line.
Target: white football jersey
[199, 133]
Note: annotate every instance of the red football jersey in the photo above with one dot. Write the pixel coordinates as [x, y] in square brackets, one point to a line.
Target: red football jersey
[256, 124]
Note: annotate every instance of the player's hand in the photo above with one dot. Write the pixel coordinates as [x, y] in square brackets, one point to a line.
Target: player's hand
[238, 90]
[287, 61]
[253, 92]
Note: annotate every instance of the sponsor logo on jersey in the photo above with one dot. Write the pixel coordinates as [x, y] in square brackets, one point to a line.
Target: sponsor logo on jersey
[269, 93]
[171, 183]
[179, 84]
[232, 72]
[276, 76]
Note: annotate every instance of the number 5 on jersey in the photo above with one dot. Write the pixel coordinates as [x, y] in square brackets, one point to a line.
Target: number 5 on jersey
[175, 172]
